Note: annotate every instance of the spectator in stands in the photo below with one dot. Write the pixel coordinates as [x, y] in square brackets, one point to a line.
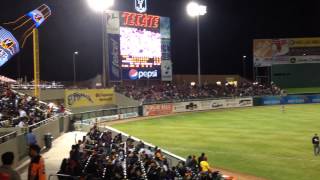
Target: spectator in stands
[6, 170]
[192, 163]
[31, 138]
[37, 167]
[315, 142]
[171, 92]
[205, 167]
[105, 157]
[61, 109]
[19, 110]
[201, 158]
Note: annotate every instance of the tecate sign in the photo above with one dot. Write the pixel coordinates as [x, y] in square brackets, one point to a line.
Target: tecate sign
[135, 74]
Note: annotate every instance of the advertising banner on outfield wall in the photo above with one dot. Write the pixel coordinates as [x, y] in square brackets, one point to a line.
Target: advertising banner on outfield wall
[77, 98]
[212, 104]
[291, 99]
[157, 109]
[268, 52]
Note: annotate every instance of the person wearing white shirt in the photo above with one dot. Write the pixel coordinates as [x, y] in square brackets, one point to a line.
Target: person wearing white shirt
[22, 113]
[21, 124]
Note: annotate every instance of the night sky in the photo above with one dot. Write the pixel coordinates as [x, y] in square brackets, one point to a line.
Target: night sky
[227, 33]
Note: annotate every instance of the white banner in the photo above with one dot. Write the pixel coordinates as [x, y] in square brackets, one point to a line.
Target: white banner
[113, 22]
[128, 115]
[212, 104]
[187, 106]
[166, 70]
[108, 118]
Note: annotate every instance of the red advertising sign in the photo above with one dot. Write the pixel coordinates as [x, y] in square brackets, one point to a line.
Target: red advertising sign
[157, 109]
[140, 20]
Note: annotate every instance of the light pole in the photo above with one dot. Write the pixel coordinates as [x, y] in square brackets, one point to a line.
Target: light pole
[74, 67]
[244, 66]
[102, 6]
[196, 10]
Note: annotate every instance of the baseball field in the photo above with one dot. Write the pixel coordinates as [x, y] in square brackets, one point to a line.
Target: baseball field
[260, 141]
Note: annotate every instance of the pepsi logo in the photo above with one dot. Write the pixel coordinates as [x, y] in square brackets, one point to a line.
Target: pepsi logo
[133, 74]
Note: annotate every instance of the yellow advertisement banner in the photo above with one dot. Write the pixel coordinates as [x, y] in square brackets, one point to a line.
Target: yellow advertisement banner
[88, 97]
[304, 42]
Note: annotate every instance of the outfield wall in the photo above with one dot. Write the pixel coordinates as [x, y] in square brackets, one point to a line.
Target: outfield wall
[290, 99]
[199, 105]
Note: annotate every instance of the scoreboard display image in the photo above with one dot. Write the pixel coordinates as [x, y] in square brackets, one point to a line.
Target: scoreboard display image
[138, 43]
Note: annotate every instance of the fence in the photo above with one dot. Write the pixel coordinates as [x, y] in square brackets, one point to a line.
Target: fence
[8, 136]
[16, 141]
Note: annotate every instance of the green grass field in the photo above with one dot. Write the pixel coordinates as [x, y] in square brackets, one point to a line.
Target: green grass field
[261, 141]
[303, 90]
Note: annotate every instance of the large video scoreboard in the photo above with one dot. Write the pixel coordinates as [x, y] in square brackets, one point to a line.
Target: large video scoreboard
[139, 46]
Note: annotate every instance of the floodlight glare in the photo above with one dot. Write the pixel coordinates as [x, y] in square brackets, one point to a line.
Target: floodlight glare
[195, 9]
[100, 5]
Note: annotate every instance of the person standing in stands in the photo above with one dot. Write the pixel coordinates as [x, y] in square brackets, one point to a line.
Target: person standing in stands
[31, 138]
[6, 170]
[315, 142]
[205, 167]
[37, 169]
[200, 159]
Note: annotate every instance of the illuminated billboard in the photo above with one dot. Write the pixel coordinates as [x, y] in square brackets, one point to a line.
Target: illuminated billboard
[15, 34]
[138, 43]
[268, 52]
[9, 46]
[37, 17]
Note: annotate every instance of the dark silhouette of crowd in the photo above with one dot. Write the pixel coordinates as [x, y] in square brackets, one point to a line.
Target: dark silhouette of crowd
[100, 156]
[172, 92]
[18, 110]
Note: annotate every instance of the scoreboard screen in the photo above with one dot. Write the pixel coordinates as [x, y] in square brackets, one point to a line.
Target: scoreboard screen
[138, 43]
[139, 48]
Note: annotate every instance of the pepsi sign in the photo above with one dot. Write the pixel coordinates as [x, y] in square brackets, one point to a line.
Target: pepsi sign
[143, 74]
[133, 74]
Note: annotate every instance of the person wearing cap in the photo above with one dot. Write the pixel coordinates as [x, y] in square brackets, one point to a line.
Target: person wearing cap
[6, 170]
[37, 169]
[315, 142]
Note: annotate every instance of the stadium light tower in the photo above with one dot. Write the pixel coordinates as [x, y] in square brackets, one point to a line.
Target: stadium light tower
[244, 66]
[74, 67]
[196, 10]
[102, 6]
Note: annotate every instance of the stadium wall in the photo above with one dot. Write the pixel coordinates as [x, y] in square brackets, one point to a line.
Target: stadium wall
[290, 99]
[52, 95]
[197, 105]
[56, 126]
[296, 75]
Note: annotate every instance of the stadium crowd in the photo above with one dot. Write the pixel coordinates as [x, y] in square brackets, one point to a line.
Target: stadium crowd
[172, 92]
[18, 110]
[99, 156]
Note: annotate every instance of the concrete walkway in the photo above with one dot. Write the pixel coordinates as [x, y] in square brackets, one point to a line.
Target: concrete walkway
[60, 149]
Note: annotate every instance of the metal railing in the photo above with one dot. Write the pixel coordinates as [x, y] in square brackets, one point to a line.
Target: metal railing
[63, 176]
[8, 136]
[43, 122]
[31, 86]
